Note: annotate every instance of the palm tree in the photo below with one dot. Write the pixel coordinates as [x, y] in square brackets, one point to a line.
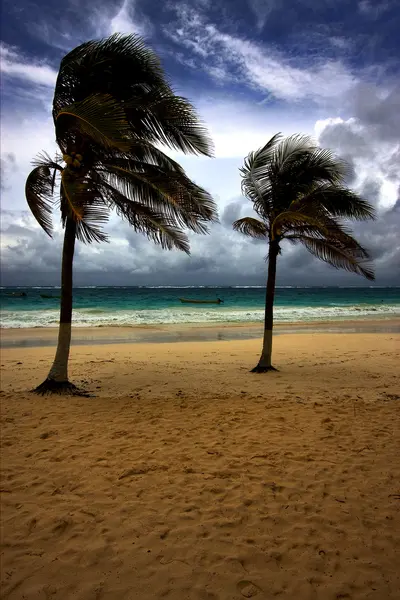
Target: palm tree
[298, 192]
[112, 108]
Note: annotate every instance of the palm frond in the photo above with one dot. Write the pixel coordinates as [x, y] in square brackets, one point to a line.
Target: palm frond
[338, 201]
[145, 152]
[83, 202]
[99, 117]
[164, 191]
[348, 243]
[44, 160]
[341, 236]
[290, 150]
[295, 229]
[156, 226]
[160, 116]
[38, 193]
[251, 227]
[256, 181]
[325, 166]
[262, 156]
[123, 67]
[336, 254]
[287, 220]
[299, 156]
[297, 167]
[317, 224]
[89, 228]
[106, 66]
[284, 170]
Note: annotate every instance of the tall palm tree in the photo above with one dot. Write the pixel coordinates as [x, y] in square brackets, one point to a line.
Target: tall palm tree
[112, 108]
[298, 192]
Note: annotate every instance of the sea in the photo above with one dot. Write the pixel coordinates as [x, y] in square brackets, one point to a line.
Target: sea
[97, 306]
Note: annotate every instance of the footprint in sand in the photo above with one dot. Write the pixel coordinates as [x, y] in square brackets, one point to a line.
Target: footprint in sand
[247, 588]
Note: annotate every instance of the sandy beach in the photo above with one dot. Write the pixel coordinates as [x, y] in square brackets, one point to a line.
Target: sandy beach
[184, 476]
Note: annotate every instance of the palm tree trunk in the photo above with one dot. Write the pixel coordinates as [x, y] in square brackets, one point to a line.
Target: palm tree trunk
[264, 364]
[57, 379]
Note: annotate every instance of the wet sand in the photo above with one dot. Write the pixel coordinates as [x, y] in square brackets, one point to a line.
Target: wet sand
[184, 476]
[47, 336]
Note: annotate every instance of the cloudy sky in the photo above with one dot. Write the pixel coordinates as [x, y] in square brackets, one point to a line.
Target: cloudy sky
[328, 68]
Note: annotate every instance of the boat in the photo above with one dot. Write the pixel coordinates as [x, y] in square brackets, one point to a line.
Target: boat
[17, 294]
[190, 301]
[48, 296]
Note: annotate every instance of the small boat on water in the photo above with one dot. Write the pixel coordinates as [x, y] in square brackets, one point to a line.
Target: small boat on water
[190, 301]
[17, 294]
[48, 296]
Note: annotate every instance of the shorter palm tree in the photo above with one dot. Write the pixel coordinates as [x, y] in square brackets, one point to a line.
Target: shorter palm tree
[298, 192]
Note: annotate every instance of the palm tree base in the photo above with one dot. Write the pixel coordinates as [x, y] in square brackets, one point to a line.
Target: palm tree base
[261, 369]
[50, 386]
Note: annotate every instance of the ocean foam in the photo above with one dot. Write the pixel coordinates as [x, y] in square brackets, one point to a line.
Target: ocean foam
[93, 317]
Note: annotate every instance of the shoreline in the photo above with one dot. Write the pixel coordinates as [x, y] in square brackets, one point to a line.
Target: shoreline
[47, 336]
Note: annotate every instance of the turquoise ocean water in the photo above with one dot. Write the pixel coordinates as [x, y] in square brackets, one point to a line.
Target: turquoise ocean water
[130, 306]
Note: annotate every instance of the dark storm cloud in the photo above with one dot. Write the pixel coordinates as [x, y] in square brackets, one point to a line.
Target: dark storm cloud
[378, 111]
[222, 258]
[372, 139]
[236, 210]
[346, 141]
[370, 189]
[231, 213]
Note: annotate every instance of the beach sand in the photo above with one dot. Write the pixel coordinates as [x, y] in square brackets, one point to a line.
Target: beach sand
[187, 477]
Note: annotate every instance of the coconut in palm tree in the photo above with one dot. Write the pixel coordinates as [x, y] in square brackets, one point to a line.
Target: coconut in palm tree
[298, 193]
[113, 108]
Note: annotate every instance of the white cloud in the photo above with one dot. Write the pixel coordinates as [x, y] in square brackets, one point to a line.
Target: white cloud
[371, 149]
[108, 19]
[389, 193]
[262, 67]
[238, 127]
[15, 65]
[24, 137]
[321, 124]
[274, 74]
[122, 21]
